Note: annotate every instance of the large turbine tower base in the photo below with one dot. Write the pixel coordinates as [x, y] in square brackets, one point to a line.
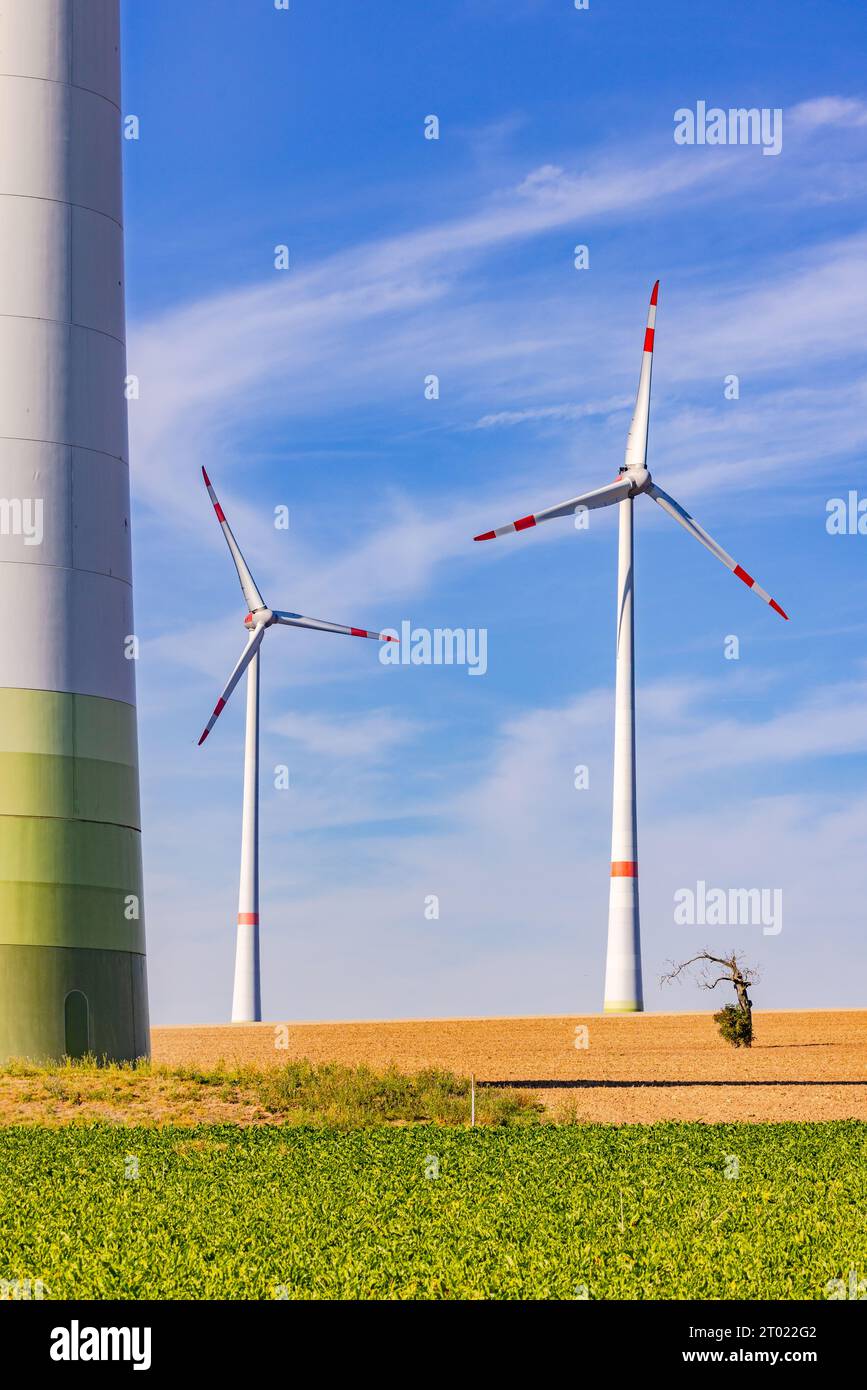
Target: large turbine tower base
[72, 963]
[623, 993]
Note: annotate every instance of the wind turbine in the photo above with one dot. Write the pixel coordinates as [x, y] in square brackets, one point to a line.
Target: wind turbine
[247, 1000]
[623, 993]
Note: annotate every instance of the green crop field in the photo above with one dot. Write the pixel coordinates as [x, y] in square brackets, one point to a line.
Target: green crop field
[661, 1211]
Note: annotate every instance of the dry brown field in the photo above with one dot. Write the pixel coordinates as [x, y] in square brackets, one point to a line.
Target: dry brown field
[639, 1068]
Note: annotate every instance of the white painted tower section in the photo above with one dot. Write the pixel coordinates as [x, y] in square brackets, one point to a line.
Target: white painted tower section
[247, 998]
[623, 992]
[66, 604]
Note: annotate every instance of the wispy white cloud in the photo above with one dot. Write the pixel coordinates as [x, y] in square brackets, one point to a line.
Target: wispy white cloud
[564, 412]
[370, 736]
[830, 110]
[207, 364]
[807, 307]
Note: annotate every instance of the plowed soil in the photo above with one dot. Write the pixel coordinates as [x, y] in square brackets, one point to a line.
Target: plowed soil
[638, 1069]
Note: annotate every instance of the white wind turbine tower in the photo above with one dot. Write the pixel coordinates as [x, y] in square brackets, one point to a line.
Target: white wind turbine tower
[247, 997]
[623, 993]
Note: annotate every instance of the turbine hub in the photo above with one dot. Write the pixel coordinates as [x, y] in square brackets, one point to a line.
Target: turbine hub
[639, 478]
[260, 617]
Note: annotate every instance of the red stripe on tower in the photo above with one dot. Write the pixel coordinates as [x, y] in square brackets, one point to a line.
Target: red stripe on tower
[624, 868]
[248, 919]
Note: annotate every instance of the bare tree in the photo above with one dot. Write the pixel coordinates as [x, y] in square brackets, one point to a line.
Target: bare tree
[736, 1022]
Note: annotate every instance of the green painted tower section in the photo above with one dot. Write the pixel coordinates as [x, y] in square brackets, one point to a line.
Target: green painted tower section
[72, 951]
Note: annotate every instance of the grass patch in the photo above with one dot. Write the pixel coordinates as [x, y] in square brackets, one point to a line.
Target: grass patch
[327, 1096]
[344, 1097]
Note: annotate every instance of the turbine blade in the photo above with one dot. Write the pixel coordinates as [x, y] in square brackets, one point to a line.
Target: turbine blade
[251, 594]
[254, 642]
[298, 620]
[689, 523]
[599, 497]
[636, 443]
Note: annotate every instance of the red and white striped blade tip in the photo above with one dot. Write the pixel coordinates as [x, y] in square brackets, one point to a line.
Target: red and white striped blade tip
[751, 584]
[218, 710]
[522, 524]
[215, 501]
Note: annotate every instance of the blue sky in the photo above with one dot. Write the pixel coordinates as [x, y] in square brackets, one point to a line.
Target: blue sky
[305, 388]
